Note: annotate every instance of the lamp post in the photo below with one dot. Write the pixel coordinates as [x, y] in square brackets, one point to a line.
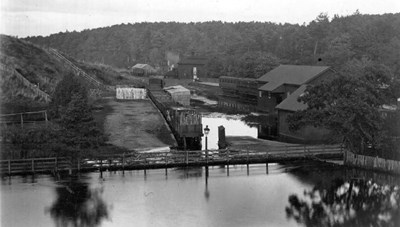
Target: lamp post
[206, 131]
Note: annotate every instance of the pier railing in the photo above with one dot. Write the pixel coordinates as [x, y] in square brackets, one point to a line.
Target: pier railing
[169, 159]
[372, 163]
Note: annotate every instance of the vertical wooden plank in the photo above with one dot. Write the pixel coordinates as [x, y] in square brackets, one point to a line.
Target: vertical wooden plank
[228, 156]
[123, 162]
[33, 166]
[9, 167]
[187, 157]
[45, 116]
[22, 121]
[70, 166]
[266, 162]
[247, 157]
[55, 164]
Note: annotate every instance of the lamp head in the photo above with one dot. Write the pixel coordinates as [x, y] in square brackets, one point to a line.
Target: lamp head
[206, 130]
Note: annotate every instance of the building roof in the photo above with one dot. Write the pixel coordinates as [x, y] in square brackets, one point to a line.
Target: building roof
[193, 60]
[177, 89]
[143, 66]
[290, 74]
[291, 103]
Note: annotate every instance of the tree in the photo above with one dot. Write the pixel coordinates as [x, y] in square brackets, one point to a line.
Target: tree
[78, 126]
[354, 203]
[78, 205]
[349, 105]
[70, 109]
[63, 93]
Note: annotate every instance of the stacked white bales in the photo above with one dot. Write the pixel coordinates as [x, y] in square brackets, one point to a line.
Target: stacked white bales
[130, 92]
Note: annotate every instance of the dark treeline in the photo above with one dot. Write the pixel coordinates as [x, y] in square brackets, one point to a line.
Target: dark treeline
[246, 49]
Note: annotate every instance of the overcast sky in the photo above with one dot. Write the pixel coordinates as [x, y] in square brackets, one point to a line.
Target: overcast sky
[43, 17]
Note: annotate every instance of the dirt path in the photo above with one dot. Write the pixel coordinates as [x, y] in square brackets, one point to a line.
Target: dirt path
[136, 125]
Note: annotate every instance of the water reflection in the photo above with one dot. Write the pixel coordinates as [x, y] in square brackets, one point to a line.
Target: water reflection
[355, 202]
[78, 205]
[186, 173]
[233, 124]
[231, 105]
[206, 191]
[234, 195]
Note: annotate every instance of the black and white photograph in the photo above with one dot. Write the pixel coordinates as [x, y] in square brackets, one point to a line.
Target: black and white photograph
[203, 113]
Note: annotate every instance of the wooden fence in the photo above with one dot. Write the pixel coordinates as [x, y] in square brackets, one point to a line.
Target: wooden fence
[373, 163]
[168, 159]
[23, 118]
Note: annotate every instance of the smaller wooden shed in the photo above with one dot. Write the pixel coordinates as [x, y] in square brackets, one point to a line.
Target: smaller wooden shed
[142, 70]
[179, 94]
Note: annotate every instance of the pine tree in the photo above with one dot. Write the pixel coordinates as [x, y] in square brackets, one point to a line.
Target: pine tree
[70, 109]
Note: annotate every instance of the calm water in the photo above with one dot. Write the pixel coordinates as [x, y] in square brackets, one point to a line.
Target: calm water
[186, 197]
[233, 124]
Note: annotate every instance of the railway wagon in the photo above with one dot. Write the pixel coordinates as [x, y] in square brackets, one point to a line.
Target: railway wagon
[185, 122]
[243, 88]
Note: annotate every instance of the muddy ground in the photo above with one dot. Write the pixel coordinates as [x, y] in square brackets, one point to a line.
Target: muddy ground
[133, 125]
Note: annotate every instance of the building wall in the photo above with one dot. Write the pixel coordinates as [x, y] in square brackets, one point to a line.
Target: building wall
[186, 71]
[267, 103]
[308, 134]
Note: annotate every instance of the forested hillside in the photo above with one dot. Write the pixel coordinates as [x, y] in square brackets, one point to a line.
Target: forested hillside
[29, 74]
[247, 49]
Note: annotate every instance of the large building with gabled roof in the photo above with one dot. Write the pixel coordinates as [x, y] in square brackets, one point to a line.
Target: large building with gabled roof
[279, 83]
[279, 92]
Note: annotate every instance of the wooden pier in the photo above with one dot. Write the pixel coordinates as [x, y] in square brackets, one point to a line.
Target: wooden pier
[142, 161]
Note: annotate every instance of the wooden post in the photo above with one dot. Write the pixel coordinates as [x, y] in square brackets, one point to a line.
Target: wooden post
[101, 167]
[45, 116]
[266, 163]
[70, 166]
[55, 164]
[123, 163]
[166, 160]
[33, 166]
[247, 157]
[227, 168]
[79, 164]
[9, 167]
[22, 121]
[184, 143]
[187, 158]
[228, 154]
